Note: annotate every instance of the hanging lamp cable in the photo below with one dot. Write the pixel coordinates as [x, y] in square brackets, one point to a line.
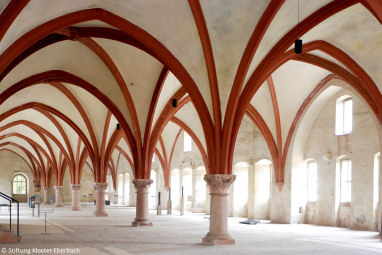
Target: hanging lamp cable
[298, 18]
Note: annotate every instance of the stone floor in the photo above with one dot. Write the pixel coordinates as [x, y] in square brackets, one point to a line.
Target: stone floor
[175, 234]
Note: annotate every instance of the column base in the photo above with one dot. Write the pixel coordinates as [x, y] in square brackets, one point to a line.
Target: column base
[100, 214]
[218, 240]
[76, 209]
[141, 223]
[58, 205]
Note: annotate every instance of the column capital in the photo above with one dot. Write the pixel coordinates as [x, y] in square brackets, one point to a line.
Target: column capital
[75, 186]
[100, 186]
[142, 183]
[219, 183]
[58, 187]
[46, 188]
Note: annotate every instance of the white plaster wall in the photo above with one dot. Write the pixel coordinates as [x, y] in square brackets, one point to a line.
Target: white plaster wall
[360, 147]
[10, 165]
[87, 181]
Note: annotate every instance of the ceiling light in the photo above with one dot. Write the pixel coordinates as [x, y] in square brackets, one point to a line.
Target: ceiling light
[174, 102]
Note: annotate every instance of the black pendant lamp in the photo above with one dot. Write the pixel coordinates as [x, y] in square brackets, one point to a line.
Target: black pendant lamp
[174, 102]
[118, 126]
[298, 46]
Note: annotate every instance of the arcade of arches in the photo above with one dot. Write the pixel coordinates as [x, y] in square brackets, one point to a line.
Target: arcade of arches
[87, 113]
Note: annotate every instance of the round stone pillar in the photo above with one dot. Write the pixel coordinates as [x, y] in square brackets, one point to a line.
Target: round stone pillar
[76, 197]
[115, 197]
[142, 210]
[46, 195]
[100, 189]
[58, 190]
[218, 233]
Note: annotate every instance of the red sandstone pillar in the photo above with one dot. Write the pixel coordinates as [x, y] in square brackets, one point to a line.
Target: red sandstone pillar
[219, 185]
[76, 197]
[58, 190]
[142, 211]
[100, 189]
[46, 195]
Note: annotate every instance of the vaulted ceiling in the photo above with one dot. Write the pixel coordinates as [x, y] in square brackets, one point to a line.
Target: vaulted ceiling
[71, 70]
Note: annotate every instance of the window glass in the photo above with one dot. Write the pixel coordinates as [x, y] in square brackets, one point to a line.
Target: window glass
[187, 142]
[346, 181]
[348, 116]
[19, 185]
[344, 116]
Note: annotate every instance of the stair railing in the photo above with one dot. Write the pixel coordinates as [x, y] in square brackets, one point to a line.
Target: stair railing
[10, 200]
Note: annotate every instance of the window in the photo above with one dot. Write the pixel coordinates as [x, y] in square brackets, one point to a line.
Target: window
[126, 189]
[344, 115]
[345, 165]
[19, 185]
[187, 142]
[153, 190]
[375, 183]
[153, 159]
[312, 181]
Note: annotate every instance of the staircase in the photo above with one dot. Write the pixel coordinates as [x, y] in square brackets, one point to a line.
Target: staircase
[6, 235]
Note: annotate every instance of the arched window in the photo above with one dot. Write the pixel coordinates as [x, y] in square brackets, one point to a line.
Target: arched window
[187, 142]
[175, 187]
[19, 185]
[312, 180]
[240, 190]
[126, 189]
[375, 183]
[120, 188]
[153, 190]
[344, 115]
[345, 165]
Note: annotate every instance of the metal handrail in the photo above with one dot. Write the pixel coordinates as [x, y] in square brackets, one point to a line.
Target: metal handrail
[10, 200]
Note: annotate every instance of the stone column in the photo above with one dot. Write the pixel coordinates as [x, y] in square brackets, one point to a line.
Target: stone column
[219, 185]
[169, 203]
[100, 188]
[37, 186]
[142, 211]
[58, 190]
[46, 195]
[159, 208]
[115, 197]
[76, 197]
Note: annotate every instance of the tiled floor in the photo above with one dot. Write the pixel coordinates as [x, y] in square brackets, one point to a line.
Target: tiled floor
[178, 235]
